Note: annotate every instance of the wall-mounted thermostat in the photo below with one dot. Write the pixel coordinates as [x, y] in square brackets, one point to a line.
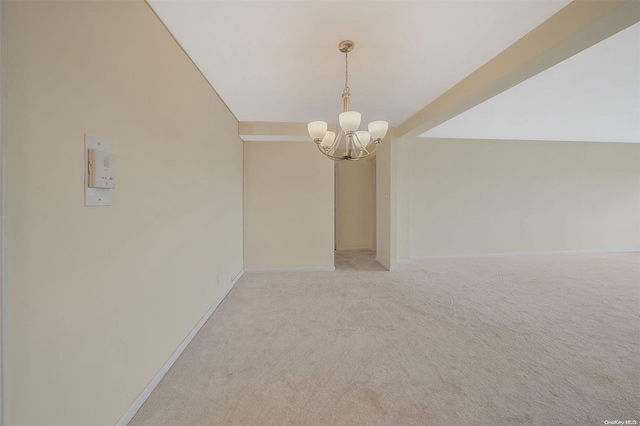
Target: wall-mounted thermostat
[99, 172]
[102, 169]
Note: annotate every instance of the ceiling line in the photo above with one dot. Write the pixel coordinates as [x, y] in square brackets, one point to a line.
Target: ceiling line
[190, 59]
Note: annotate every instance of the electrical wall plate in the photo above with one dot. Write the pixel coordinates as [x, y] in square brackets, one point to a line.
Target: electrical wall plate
[95, 196]
[102, 169]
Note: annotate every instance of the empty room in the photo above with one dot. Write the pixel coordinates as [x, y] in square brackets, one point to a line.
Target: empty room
[301, 212]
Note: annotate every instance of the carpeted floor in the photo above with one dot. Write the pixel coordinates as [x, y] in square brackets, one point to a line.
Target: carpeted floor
[519, 340]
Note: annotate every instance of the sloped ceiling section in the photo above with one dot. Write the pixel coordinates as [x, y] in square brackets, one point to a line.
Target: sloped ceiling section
[593, 96]
[277, 61]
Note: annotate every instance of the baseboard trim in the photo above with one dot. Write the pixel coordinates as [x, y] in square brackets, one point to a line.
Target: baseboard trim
[133, 409]
[321, 269]
[404, 262]
[387, 267]
[531, 253]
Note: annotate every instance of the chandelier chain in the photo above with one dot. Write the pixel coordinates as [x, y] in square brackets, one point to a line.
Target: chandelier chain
[346, 72]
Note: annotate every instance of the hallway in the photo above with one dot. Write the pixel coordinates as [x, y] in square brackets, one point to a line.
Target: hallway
[353, 260]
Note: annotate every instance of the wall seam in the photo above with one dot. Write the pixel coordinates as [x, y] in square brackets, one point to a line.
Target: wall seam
[3, 215]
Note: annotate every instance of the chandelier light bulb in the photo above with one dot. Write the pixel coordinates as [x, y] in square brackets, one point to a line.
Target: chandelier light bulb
[317, 129]
[363, 138]
[378, 129]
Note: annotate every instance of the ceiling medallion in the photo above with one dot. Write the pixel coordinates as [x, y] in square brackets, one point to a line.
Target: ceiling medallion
[357, 143]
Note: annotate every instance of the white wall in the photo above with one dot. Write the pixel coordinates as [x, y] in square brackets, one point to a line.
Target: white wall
[288, 206]
[354, 208]
[100, 297]
[482, 196]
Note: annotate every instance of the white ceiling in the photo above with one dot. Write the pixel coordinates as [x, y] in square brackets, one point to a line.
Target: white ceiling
[278, 60]
[594, 96]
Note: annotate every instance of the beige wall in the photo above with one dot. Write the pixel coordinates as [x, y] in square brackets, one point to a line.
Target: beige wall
[100, 297]
[288, 206]
[403, 202]
[478, 197]
[386, 203]
[3, 141]
[354, 208]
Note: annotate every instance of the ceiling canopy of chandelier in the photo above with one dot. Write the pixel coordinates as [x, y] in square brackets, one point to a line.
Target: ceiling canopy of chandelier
[356, 144]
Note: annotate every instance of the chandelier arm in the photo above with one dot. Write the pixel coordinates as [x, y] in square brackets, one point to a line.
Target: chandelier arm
[335, 141]
[364, 148]
[359, 141]
[375, 148]
[329, 155]
[355, 147]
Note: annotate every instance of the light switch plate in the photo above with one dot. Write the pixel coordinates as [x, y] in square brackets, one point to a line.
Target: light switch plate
[95, 196]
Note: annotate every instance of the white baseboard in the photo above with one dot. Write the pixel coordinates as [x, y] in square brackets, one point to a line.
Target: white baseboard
[321, 269]
[133, 409]
[387, 267]
[404, 262]
[531, 253]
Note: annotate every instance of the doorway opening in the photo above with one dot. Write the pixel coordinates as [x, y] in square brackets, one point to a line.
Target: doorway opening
[355, 219]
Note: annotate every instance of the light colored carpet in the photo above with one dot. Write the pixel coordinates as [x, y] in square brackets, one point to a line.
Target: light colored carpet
[544, 340]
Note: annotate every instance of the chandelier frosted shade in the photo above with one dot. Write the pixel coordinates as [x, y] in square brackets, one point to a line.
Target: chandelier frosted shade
[317, 129]
[328, 139]
[363, 138]
[378, 129]
[350, 143]
[350, 121]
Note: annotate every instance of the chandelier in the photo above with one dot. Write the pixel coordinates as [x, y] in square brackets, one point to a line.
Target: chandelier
[357, 143]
